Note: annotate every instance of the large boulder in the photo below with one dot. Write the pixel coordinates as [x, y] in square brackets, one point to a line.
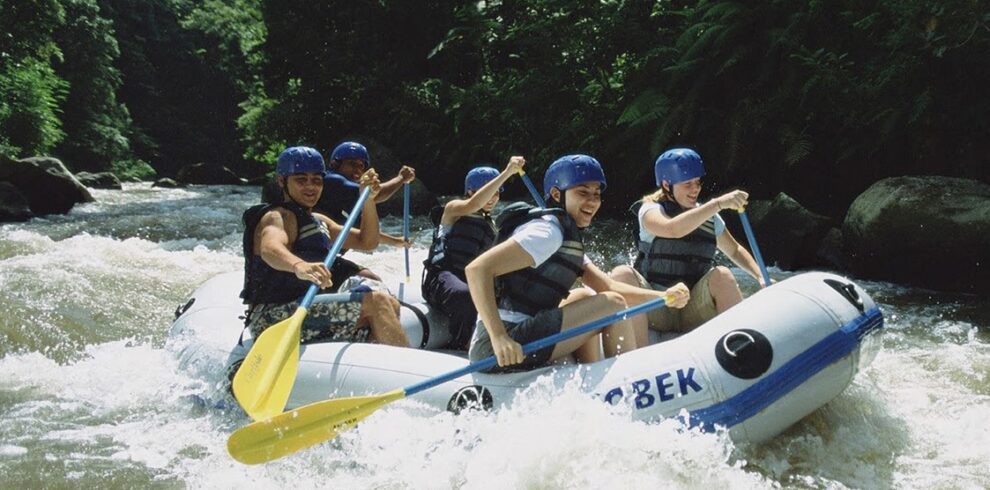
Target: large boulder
[787, 233]
[13, 206]
[45, 183]
[208, 174]
[99, 180]
[928, 231]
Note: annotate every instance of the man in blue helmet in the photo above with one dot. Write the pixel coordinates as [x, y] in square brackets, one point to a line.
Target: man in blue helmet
[677, 240]
[348, 162]
[285, 244]
[463, 230]
[535, 266]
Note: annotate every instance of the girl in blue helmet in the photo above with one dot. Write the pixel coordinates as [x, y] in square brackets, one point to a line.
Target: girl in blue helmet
[677, 239]
[535, 267]
[464, 230]
[285, 244]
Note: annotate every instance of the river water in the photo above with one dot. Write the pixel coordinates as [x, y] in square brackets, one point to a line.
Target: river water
[91, 395]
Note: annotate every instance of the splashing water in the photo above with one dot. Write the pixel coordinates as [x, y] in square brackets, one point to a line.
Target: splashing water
[92, 398]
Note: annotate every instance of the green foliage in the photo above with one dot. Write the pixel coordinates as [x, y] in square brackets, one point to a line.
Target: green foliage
[816, 98]
[95, 123]
[133, 170]
[30, 91]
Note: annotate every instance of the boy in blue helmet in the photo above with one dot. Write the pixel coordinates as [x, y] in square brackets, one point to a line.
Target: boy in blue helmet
[535, 268]
[463, 231]
[285, 244]
[348, 162]
[677, 240]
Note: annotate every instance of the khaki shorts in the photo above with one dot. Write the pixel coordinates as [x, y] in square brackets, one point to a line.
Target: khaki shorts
[699, 309]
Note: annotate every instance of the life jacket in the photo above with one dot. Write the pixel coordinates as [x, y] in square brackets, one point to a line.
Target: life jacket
[466, 239]
[264, 284]
[531, 290]
[667, 261]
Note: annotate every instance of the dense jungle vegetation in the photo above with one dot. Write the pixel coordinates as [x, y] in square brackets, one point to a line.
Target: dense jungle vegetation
[817, 98]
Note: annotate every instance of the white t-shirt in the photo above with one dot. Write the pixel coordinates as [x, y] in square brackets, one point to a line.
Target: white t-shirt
[540, 238]
[646, 236]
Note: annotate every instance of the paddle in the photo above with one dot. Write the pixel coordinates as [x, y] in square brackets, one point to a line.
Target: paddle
[532, 189]
[284, 434]
[265, 378]
[405, 223]
[754, 247]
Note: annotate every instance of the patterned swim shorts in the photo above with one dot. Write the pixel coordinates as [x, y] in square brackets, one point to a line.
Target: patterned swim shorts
[327, 321]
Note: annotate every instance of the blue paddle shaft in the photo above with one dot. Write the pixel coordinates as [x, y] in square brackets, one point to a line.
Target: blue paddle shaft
[405, 222]
[754, 247]
[337, 245]
[536, 345]
[532, 190]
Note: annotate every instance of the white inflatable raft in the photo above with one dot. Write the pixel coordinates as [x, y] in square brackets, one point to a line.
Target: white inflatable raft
[755, 370]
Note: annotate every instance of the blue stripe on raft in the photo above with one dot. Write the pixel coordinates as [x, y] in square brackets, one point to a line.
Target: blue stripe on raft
[762, 394]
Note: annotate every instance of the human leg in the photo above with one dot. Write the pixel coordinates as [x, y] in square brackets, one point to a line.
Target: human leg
[450, 294]
[591, 349]
[659, 319]
[701, 306]
[380, 311]
[724, 288]
[640, 323]
[616, 338]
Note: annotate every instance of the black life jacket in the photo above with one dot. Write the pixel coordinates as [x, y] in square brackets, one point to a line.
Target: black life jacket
[264, 284]
[667, 261]
[531, 290]
[466, 239]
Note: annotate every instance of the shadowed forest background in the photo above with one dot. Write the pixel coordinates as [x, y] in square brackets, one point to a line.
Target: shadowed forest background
[818, 98]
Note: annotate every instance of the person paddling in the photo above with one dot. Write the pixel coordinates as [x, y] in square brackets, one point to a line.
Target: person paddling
[538, 257]
[677, 240]
[284, 247]
[348, 162]
[463, 231]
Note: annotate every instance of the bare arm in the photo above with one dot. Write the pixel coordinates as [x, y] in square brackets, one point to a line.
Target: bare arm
[395, 241]
[406, 175]
[661, 225]
[505, 257]
[739, 256]
[456, 208]
[272, 243]
[366, 237]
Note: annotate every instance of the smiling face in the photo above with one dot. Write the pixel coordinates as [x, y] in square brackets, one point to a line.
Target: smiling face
[686, 193]
[304, 189]
[581, 202]
[351, 168]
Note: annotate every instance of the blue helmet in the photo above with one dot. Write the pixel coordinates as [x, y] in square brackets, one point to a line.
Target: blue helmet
[299, 160]
[349, 150]
[571, 170]
[677, 165]
[478, 177]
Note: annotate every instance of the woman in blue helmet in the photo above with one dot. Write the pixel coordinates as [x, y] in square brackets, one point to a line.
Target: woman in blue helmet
[285, 244]
[535, 267]
[677, 240]
[464, 231]
[348, 162]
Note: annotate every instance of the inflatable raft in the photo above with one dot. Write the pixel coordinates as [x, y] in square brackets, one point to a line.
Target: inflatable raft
[754, 370]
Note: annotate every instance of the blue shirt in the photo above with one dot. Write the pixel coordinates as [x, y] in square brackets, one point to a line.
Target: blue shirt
[338, 197]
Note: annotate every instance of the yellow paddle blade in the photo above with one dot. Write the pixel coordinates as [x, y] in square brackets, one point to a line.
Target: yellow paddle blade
[284, 434]
[264, 380]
